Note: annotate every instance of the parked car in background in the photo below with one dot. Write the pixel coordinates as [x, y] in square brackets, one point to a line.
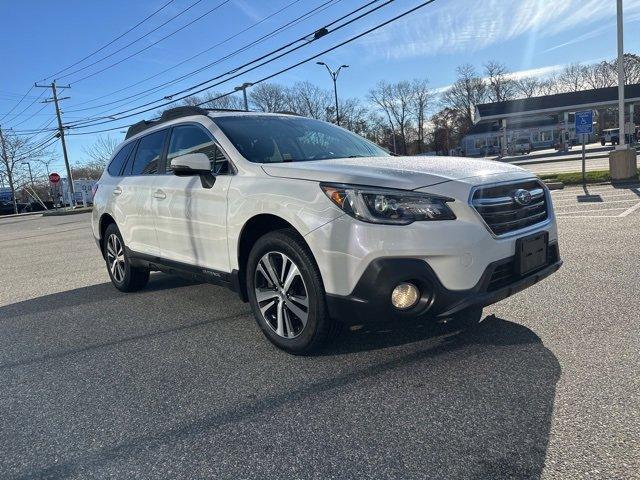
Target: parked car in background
[610, 135]
[521, 145]
[314, 225]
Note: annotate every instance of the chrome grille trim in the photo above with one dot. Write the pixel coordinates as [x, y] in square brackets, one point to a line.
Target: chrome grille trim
[502, 216]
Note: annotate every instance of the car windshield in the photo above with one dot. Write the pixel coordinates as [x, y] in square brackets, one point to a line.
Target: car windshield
[276, 139]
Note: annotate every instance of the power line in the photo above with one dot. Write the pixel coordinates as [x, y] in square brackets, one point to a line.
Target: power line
[129, 44]
[111, 42]
[314, 36]
[29, 117]
[16, 105]
[13, 117]
[152, 44]
[178, 64]
[152, 90]
[306, 60]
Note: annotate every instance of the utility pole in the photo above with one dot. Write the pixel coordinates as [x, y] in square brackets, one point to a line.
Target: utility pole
[55, 100]
[244, 87]
[334, 77]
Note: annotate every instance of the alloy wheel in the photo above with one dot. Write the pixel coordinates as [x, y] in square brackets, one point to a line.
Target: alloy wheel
[281, 294]
[115, 258]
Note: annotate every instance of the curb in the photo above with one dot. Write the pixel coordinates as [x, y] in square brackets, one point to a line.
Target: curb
[553, 185]
[59, 213]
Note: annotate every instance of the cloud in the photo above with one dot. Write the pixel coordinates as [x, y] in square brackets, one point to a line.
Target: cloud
[248, 10]
[540, 72]
[472, 25]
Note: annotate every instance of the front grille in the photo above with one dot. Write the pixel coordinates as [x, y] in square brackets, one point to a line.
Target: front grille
[505, 273]
[501, 213]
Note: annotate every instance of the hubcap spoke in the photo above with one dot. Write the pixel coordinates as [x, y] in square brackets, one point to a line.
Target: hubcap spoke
[268, 271]
[266, 307]
[287, 322]
[280, 319]
[263, 294]
[304, 301]
[293, 273]
[297, 311]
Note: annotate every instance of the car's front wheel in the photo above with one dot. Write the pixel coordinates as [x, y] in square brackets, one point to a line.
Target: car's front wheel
[286, 293]
[124, 276]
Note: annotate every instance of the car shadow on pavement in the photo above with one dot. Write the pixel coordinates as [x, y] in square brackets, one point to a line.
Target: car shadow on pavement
[87, 295]
[97, 381]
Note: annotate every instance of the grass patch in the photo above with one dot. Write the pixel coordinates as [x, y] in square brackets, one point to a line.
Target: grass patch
[575, 178]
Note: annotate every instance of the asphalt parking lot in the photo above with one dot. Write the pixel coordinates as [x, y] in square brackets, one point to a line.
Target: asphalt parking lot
[176, 381]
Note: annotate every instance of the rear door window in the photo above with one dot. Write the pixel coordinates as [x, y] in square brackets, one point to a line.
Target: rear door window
[115, 167]
[148, 153]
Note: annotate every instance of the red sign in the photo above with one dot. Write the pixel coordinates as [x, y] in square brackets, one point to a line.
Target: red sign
[54, 177]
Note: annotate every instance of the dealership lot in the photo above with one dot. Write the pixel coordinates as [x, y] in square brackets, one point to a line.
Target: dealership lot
[177, 382]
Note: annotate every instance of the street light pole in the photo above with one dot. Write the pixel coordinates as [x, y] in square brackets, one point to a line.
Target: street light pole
[621, 129]
[244, 87]
[334, 76]
[30, 174]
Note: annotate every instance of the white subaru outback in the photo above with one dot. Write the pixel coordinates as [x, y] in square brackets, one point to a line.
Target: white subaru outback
[314, 225]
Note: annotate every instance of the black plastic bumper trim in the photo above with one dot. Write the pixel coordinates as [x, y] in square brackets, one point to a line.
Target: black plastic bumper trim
[370, 301]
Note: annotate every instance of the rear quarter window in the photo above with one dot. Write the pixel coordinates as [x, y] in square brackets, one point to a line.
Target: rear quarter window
[115, 167]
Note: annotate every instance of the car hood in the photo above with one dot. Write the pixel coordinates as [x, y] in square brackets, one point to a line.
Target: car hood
[408, 173]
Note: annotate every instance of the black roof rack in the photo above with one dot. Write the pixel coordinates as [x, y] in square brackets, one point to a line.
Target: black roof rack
[172, 114]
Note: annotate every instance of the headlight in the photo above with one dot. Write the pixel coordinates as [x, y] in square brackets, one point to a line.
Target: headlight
[379, 205]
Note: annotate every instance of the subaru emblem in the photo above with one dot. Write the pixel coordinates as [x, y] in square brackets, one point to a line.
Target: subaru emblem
[522, 197]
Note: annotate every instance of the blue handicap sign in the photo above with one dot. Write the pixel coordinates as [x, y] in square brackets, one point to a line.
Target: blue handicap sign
[584, 122]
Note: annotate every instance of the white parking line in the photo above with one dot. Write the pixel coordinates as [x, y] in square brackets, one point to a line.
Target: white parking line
[588, 211]
[630, 210]
[604, 198]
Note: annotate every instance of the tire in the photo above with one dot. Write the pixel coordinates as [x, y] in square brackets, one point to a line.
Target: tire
[124, 276]
[292, 313]
[602, 142]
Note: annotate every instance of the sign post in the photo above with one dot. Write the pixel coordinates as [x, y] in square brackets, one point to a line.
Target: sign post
[584, 127]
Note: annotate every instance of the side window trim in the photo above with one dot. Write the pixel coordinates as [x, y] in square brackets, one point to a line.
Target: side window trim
[161, 159]
[232, 167]
[128, 165]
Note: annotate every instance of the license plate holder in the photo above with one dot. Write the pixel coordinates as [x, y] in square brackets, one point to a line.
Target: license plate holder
[531, 252]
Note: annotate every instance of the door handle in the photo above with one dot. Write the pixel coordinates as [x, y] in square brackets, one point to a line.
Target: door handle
[117, 191]
[159, 194]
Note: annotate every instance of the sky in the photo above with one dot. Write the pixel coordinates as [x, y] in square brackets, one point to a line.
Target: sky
[42, 40]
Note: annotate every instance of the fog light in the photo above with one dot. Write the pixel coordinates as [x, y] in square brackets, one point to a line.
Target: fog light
[405, 295]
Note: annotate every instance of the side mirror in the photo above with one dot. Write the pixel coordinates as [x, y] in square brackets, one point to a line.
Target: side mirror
[191, 164]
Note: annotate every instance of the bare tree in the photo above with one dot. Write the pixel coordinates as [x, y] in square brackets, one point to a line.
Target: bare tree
[13, 150]
[572, 78]
[308, 99]
[499, 86]
[215, 100]
[395, 101]
[101, 150]
[269, 97]
[91, 170]
[599, 75]
[549, 86]
[526, 87]
[420, 103]
[468, 91]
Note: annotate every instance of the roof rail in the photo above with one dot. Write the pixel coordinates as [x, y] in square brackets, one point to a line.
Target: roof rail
[172, 114]
[169, 114]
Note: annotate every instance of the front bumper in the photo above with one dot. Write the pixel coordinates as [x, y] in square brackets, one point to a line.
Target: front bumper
[370, 300]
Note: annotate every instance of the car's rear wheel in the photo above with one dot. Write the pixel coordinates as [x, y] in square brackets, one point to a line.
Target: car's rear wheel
[124, 276]
[286, 293]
